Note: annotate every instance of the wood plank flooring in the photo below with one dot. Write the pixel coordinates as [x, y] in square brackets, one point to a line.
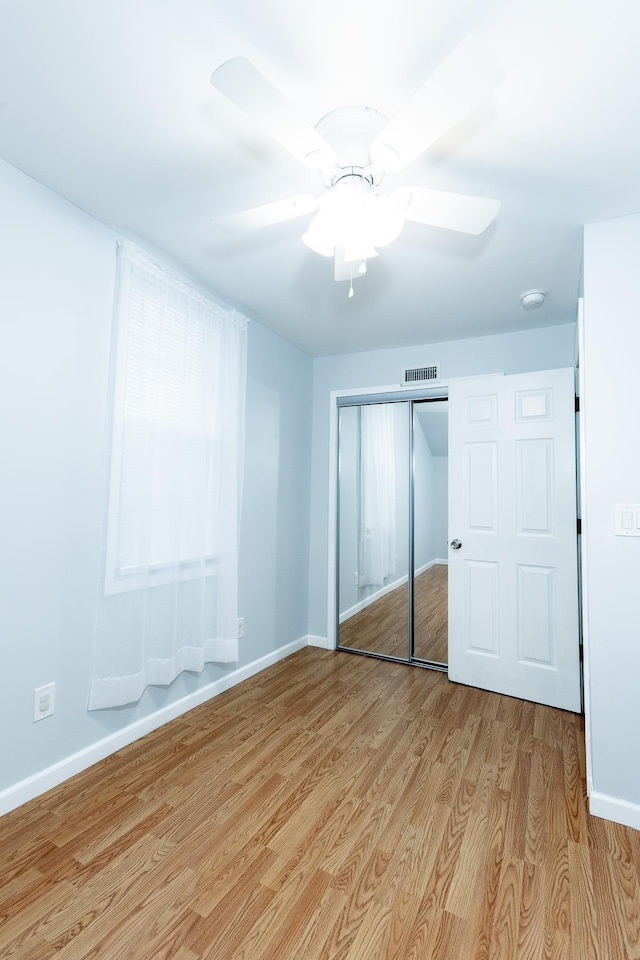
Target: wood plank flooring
[333, 807]
[382, 626]
[430, 614]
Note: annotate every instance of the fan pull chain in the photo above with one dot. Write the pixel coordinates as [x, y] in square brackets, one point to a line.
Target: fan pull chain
[362, 269]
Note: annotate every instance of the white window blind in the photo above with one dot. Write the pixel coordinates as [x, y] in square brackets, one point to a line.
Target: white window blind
[169, 597]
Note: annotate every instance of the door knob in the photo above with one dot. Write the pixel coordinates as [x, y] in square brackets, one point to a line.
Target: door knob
[456, 544]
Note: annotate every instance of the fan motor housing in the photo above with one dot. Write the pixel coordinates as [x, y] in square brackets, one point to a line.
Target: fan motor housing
[350, 130]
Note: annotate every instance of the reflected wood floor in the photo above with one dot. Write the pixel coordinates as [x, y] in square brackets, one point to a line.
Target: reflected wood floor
[333, 807]
[382, 626]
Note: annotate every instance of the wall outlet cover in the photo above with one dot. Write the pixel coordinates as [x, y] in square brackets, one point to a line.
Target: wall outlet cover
[43, 701]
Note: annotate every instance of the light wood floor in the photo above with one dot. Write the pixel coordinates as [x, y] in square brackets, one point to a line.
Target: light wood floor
[382, 626]
[331, 807]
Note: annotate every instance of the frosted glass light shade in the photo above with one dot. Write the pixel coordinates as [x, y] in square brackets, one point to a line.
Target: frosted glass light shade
[384, 219]
[356, 218]
[318, 239]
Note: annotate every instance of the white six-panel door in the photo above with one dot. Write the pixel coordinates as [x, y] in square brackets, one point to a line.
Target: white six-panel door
[513, 590]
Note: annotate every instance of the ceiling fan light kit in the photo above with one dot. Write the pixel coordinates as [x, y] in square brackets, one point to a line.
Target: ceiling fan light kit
[353, 147]
[355, 217]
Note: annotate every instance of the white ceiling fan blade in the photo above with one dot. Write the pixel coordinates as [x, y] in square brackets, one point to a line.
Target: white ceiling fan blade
[462, 81]
[245, 86]
[439, 208]
[268, 214]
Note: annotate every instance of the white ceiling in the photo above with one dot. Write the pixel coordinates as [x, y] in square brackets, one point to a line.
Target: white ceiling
[110, 105]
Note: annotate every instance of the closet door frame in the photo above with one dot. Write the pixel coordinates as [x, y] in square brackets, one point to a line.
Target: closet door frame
[357, 398]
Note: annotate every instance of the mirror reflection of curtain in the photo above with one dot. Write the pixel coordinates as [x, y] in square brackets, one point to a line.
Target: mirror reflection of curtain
[377, 533]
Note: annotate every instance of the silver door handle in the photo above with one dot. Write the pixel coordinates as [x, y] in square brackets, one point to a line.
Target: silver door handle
[456, 544]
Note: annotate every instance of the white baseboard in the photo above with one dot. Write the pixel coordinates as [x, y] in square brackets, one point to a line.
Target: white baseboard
[610, 808]
[427, 566]
[44, 780]
[322, 642]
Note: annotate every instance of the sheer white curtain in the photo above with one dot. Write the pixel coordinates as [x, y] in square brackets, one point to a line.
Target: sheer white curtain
[167, 598]
[377, 540]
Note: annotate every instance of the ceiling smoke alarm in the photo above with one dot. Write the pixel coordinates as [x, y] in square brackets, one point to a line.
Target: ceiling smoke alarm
[532, 299]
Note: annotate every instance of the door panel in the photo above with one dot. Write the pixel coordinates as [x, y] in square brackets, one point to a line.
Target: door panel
[513, 593]
[534, 487]
[535, 602]
[480, 484]
[481, 603]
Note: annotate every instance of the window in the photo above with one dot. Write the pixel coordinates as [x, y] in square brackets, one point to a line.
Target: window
[174, 472]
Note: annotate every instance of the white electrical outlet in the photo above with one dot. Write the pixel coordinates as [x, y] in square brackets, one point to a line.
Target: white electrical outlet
[43, 701]
[355, 579]
[240, 628]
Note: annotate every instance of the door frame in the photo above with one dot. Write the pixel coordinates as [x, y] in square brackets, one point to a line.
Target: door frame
[389, 393]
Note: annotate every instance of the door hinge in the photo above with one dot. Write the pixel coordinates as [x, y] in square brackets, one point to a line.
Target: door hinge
[577, 399]
[579, 526]
[581, 648]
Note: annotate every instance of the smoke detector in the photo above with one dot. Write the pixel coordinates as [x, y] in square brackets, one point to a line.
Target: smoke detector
[532, 299]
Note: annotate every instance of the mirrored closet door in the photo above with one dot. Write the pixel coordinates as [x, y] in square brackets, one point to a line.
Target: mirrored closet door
[373, 554]
[392, 530]
[430, 528]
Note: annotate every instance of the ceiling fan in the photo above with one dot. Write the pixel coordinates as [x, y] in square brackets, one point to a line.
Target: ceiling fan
[353, 148]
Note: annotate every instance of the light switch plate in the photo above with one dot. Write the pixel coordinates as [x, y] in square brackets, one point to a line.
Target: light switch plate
[627, 519]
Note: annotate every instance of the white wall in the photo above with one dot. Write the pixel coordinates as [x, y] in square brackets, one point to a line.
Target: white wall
[431, 502]
[56, 288]
[611, 465]
[441, 504]
[424, 545]
[519, 352]
[274, 545]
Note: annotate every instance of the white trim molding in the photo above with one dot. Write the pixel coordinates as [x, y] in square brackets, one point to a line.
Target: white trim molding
[321, 642]
[432, 563]
[50, 777]
[584, 542]
[611, 808]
